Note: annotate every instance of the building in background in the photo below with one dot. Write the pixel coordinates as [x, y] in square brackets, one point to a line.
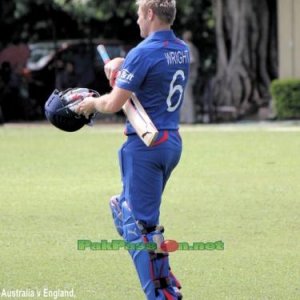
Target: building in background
[289, 38]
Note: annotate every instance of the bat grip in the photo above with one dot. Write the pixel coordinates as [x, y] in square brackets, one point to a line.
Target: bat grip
[105, 57]
[103, 53]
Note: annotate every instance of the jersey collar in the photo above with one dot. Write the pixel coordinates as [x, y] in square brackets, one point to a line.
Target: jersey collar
[162, 35]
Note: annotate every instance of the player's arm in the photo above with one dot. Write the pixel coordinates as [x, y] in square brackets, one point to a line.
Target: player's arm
[108, 103]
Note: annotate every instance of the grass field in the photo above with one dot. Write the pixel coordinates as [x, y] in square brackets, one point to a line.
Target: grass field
[238, 184]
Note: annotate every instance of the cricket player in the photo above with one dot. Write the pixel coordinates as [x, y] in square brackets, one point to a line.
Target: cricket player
[156, 70]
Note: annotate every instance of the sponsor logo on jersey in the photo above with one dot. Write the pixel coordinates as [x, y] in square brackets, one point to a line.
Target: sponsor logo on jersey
[125, 76]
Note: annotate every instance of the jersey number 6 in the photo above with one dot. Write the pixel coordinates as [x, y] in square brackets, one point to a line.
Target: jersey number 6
[173, 90]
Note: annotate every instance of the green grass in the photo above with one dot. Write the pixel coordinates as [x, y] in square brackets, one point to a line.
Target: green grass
[238, 186]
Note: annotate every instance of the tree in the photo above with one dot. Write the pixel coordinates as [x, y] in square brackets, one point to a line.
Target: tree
[110, 19]
[247, 53]
[34, 20]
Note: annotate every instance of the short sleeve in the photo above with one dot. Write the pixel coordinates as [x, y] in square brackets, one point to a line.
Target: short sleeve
[134, 70]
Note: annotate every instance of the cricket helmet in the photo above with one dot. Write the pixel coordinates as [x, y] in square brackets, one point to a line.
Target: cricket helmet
[60, 108]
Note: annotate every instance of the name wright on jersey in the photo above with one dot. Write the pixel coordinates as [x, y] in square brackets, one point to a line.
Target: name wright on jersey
[177, 57]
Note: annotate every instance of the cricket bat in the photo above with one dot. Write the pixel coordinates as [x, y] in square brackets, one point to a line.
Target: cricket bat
[135, 112]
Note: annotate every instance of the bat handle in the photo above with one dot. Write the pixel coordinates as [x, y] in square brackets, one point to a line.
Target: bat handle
[103, 53]
[105, 57]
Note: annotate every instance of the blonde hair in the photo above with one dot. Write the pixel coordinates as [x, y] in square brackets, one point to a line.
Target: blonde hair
[165, 10]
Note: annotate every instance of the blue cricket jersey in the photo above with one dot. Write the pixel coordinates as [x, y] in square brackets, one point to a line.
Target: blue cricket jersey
[156, 70]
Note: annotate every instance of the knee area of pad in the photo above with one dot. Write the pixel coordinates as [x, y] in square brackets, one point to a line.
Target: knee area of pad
[131, 232]
[156, 237]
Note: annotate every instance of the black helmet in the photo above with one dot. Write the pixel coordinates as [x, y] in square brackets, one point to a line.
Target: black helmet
[60, 108]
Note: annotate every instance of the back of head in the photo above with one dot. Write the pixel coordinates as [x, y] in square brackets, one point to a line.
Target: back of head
[165, 10]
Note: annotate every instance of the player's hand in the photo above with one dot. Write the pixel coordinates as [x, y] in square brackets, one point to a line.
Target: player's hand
[112, 68]
[86, 107]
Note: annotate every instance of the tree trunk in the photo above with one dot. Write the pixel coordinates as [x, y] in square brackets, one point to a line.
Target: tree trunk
[246, 33]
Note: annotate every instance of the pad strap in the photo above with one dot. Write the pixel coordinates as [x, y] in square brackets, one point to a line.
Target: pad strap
[162, 283]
